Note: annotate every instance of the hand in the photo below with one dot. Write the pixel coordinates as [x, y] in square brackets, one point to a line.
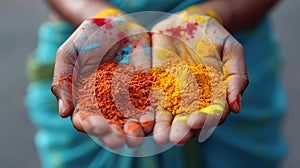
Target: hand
[95, 41]
[198, 39]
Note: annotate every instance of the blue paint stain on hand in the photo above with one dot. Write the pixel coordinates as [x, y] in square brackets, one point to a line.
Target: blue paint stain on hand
[83, 36]
[119, 20]
[89, 47]
[146, 51]
[118, 56]
[126, 55]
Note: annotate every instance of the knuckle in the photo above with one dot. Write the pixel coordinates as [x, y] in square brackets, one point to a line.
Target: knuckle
[245, 80]
[54, 89]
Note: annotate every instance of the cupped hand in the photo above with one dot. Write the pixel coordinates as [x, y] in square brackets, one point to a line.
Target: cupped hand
[198, 39]
[93, 42]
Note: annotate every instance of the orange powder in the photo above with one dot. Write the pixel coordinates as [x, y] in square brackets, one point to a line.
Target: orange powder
[110, 88]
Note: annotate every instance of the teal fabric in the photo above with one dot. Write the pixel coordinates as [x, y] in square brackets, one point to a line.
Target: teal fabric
[250, 139]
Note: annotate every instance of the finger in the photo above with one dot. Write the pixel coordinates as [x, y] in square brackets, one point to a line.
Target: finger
[162, 127]
[147, 120]
[215, 113]
[89, 123]
[77, 120]
[235, 72]
[196, 120]
[225, 113]
[180, 132]
[62, 79]
[115, 138]
[134, 133]
[95, 125]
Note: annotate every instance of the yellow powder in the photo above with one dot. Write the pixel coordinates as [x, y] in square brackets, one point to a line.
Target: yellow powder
[205, 48]
[164, 54]
[186, 88]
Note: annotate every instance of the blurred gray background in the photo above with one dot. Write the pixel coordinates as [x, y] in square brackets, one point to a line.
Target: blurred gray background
[19, 20]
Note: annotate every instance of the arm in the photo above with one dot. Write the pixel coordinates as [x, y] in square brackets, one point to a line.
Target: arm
[77, 11]
[237, 14]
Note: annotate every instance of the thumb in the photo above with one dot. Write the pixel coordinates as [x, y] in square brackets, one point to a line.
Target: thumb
[235, 72]
[62, 80]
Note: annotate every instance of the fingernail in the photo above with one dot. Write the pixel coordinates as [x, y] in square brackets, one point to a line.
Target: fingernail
[236, 104]
[132, 125]
[236, 107]
[61, 107]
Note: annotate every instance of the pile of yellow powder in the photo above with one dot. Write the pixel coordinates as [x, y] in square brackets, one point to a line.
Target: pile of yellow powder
[183, 88]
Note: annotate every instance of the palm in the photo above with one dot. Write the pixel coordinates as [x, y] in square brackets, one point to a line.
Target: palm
[197, 40]
[94, 42]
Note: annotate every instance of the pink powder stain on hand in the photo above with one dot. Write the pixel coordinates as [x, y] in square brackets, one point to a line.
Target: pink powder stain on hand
[102, 21]
[190, 28]
[176, 31]
[121, 35]
[99, 21]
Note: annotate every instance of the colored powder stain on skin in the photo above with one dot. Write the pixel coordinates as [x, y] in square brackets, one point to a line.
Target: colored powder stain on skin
[119, 20]
[121, 35]
[99, 21]
[179, 31]
[190, 28]
[164, 54]
[146, 51]
[200, 19]
[205, 48]
[102, 21]
[126, 55]
[151, 33]
[186, 18]
[133, 127]
[236, 102]
[175, 31]
[180, 118]
[83, 36]
[220, 38]
[89, 47]
[117, 58]
[108, 24]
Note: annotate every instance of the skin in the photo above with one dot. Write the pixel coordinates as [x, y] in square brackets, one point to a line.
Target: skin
[235, 14]
[82, 56]
[230, 53]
